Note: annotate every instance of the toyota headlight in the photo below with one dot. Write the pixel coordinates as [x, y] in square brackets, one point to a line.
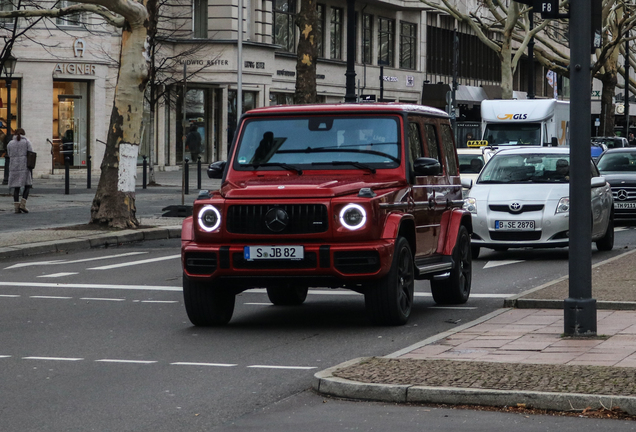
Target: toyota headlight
[353, 216]
[209, 218]
[470, 204]
[563, 206]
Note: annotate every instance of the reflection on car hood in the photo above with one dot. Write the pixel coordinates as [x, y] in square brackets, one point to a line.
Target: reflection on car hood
[620, 178]
[532, 192]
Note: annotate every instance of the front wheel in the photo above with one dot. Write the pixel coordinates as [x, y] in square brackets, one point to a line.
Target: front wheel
[390, 301]
[606, 243]
[206, 304]
[456, 288]
[287, 295]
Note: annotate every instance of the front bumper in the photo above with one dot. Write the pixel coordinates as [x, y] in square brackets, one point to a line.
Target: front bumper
[323, 264]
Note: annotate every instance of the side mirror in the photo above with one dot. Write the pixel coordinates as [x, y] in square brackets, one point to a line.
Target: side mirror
[467, 183]
[215, 170]
[426, 167]
[598, 182]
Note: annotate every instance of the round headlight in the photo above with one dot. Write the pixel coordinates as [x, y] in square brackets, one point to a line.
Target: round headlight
[353, 216]
[209, 218]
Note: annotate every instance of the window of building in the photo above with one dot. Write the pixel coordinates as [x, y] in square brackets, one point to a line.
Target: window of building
[336, 32]
[320, 27]
[6, 6]
[284, 26]
[386, 40]
[200, 19]
[367, 36]
[281, 98]
[408, 38]
[76, 19]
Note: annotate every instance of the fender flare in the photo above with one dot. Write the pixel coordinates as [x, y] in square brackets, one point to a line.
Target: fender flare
[187, 230]
[393, 224]
[451, 221]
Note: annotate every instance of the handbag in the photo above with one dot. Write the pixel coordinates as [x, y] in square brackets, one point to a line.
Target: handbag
[31, 158]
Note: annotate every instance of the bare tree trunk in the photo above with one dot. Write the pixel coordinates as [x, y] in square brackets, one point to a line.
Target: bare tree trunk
[607, 104]
[114, 201]
[306, 64]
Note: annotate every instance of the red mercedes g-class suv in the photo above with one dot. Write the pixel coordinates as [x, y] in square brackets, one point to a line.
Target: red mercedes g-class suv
[359, 196]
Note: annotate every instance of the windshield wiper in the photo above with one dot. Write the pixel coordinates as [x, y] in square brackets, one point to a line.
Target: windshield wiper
[278, 164]
[338, 150]
[352, 163]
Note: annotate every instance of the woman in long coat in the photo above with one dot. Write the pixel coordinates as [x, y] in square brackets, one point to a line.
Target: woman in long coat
[19, 175]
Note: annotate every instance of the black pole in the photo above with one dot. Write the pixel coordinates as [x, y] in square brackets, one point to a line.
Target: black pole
[67, 163]
[531, 57]
[199, 173]
[5, 179]
[381, 83]
[186, 174]
[627, 87]
[350, 74]
[579, 309]
[453, 106]
[88, 172]
[144, 173]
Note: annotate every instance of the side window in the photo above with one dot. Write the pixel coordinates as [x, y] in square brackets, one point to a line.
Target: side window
[432, 143]
[448, 145]
[415, 141]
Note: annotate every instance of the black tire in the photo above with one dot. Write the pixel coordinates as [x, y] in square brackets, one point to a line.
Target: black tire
[474, 251]
[606, 243]
[389, 302]
[207, 305]
[456, 288]
[287, 295]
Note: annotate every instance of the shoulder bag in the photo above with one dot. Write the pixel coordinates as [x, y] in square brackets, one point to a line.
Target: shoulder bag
[31, 158]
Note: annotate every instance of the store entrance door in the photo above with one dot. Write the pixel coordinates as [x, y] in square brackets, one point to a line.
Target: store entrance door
[71, 136]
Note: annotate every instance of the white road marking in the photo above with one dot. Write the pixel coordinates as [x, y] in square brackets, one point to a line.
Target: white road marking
[282, 367]
[50, 297]
[452, 307]
[92, 286]
[10, 295]
[159, 301]
[132, 263]
[126, 361]
[491, 264]
[203, 364]
[5, 356]
[54, 275]
[53, 358]
[42, 263]
[620, 229]
[259, 304]
[102, 299]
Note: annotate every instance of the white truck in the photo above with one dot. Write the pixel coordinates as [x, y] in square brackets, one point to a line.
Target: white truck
[526, 122]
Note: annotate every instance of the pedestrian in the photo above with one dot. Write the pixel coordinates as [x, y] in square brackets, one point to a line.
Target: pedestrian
[5, 142]
[193, 142]
[19, 175]
[632, 140]
[469, 138]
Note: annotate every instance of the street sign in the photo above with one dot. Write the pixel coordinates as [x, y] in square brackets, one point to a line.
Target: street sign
[547, 8]
[367, 98]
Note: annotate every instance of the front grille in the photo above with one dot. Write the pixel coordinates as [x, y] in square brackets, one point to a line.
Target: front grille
[515, 235]
[310, 261]
[357, 262]
[523, 209]
[200, 263]
[303, 219]
[631, 193]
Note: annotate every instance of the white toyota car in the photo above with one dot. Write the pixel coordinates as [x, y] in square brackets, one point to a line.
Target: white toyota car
[521, 199]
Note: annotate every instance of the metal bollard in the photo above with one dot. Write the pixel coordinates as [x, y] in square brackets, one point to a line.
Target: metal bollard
[199, 173]
[88, 173]
[186, 175]
[144, 170]
[67, 163]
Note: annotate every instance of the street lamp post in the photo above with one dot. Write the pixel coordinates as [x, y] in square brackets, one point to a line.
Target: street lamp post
[9, 68]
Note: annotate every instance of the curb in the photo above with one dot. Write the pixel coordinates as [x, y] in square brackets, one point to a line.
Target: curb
[325, 383]
[113, 238]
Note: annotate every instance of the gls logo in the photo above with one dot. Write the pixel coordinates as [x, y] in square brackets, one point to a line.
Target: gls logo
[513, 117]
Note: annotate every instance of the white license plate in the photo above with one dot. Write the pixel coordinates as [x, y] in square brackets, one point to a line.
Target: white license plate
[514, 225]
[625, 205]
[252, 253]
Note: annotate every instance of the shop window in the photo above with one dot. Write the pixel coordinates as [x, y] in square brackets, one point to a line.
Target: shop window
[200, 19]
[70, 123]
[284, 24]
[281, 98]
[336, 33]
[367, 38]
[249, 102]
[408, 38]
[386, 41]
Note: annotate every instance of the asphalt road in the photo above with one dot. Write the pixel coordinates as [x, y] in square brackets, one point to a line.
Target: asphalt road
[99, 340]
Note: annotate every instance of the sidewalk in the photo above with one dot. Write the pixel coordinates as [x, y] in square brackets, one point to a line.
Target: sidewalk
[515, 357]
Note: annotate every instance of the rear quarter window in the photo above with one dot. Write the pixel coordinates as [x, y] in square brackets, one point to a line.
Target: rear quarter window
[448, 148]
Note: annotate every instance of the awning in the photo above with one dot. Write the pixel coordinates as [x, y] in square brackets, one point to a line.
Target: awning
[470, 95]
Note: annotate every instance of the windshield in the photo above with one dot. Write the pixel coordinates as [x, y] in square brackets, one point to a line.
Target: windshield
[527, 168]
[319, 142]
[622, 161]
[513, 134]
[470, 163]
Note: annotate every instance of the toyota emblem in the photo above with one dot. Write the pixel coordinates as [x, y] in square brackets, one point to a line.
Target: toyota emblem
[515, 207]
[622, 194]
[276, 219]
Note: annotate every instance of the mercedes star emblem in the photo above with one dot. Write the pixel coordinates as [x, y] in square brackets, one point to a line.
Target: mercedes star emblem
[276, 219]
[515, 207]
[621, 194]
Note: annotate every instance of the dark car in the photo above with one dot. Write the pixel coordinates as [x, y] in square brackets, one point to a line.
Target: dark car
[618, 166]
